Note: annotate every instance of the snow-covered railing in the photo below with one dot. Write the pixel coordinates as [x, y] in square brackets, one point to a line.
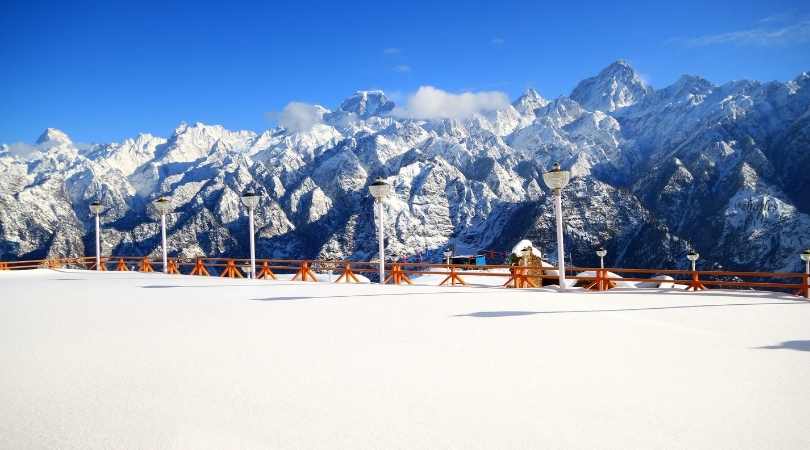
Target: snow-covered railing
[399, 272]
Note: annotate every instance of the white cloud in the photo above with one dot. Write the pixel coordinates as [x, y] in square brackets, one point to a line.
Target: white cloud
[23, 150]
[402, 68]
[391, 51]
[429, 102]
[789, 34]
[299, 116]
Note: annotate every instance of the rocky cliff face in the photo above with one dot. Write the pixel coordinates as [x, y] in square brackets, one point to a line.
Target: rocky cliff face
[722, 169]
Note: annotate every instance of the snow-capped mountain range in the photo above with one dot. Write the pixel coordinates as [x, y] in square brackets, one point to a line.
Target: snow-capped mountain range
[721, 169]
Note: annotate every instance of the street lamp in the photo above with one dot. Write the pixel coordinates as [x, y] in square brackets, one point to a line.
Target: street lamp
[447, 255]
[163, 205]
[806, 258]
[601, 252]
[251, 200]
[380, 190]
[556, 179]
[693, 256]
[95, 208]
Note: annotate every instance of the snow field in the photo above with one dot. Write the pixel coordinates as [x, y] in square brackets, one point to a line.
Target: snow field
[131, 360]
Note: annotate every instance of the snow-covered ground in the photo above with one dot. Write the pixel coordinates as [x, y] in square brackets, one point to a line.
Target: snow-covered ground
[147, 361]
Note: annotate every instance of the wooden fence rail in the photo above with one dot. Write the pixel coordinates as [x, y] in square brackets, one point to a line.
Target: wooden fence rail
[453, 274]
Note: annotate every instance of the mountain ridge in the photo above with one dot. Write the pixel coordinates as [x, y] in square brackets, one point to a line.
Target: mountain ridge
[656, 172]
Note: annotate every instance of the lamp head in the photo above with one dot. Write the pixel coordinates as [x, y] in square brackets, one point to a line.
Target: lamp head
[380, 189]
[250, 199]
[601, 252]
[692, 255]
[806, 255]
[448, 253]
[95, 207]
[556, 178]
[163, 204]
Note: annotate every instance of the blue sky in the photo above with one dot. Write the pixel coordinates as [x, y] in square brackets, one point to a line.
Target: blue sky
[104, 72]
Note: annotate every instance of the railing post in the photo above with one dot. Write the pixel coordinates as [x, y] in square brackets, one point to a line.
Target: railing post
[304, 272]
[347, 276]
[806, 286]
[453, 278]
[397, 276]
[172, 267]
[511, 279]
[199, 269]
[231, 271]
[696, 284]
[266, 272]
[146, 265]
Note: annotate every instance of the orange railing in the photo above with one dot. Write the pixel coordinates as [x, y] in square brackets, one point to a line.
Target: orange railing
[452, 274]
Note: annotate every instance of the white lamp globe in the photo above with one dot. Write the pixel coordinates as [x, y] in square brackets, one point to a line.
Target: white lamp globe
[250, 199]
[163, 205]
[379, 189]
[556, 178]
[601, 252]
[806, 255]
[95, 207]
[693, 256]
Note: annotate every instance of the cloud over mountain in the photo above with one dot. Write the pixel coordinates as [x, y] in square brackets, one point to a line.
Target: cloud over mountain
[299, 116]
[429, 102]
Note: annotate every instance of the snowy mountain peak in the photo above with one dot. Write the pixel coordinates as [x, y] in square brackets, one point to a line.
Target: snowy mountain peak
[646, 178]
[367, 103]
[53, 135]
[529, 101]
[616, 86]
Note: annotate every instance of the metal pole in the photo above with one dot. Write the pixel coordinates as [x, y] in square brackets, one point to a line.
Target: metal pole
[381, 223]
[601, 262]
[98, 243]
[693, 265]
[252, 247]
[163, 236]
[560, 249]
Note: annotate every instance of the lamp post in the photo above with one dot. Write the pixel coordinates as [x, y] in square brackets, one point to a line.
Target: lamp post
[251, 200]
[693, 256]
[601, 252]
[556, 179]
[447, 255]
[806, 258]
[163, 205]
[95, 208]
[805, 290]
[380, 190]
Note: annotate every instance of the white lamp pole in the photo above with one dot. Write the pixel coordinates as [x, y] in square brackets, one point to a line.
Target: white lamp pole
[601, 254]
[380, 190]
[163, 205]
[95, 208]
[447, 255]
[251, 200]
[556, 180]
[693, 257]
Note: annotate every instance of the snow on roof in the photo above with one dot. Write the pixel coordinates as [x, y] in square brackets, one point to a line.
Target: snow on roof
[518, 248]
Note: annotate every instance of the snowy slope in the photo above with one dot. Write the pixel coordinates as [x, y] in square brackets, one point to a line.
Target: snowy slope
[718, 168]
